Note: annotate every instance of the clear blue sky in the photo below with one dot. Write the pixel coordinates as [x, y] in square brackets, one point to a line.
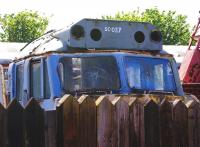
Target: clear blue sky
[64, 12]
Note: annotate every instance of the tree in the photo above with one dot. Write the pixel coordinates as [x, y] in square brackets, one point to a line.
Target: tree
[24, 26]
[174, 28]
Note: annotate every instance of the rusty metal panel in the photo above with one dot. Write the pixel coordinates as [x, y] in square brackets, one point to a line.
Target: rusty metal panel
[189, 69]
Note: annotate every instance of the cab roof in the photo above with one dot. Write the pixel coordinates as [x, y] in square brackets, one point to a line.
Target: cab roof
[95, 34]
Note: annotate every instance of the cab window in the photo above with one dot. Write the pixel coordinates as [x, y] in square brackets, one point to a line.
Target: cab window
[88, 74]
[19, 81]
[47, 93]
[39, 80]
[36, 79]
[150, 74]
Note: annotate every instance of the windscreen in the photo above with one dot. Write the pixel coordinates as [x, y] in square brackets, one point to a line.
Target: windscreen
[89, 73]
[151, 74]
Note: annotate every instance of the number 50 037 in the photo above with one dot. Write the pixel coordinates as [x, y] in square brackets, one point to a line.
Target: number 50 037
[113, 29]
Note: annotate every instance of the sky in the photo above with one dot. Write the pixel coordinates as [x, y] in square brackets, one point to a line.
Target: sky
[64, 12]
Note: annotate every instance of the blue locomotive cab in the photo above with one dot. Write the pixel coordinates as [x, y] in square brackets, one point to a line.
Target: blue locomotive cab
[94, 57]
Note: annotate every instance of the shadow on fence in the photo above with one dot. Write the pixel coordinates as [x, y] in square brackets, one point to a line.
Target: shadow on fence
[110, 121]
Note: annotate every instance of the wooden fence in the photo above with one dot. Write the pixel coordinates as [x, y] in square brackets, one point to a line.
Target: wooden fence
[109, 121]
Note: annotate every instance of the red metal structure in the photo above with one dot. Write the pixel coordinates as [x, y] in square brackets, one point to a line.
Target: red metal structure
[190, 68]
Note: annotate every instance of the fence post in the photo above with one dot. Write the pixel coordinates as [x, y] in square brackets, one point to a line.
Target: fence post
[180, 124]
[34, 123]
[193, 123]
[3, 127]
[67, 122]
[15, 124]
[87, 118]
[166, 130]
[106, 127]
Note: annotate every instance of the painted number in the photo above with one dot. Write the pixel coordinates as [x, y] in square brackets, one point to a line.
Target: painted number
[113, 29]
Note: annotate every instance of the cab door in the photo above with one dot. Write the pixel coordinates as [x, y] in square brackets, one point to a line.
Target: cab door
[29, 79]
[3, 98]
[35, 80]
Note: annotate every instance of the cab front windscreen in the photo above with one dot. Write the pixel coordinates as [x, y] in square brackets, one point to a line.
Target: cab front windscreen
[89, 73]
[150, 74]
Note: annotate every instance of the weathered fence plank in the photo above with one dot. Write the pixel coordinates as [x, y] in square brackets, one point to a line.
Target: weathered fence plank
[50, 128]
[193, 123]
[180, 124]
[15, 124]
[166, 129]
[144, 123]
[122, 123]
[34, 123]
[68, 122]
[87, 119]
[151, 124]
[106, 127]
[134, 122]
[3, 127]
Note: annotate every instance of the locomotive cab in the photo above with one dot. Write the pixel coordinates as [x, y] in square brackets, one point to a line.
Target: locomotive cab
[94, 57]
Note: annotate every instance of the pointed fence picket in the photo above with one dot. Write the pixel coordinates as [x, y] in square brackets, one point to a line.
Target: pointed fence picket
[34, 124]
[3, 127]
[180, 124]
[166, 130]
[15, 125]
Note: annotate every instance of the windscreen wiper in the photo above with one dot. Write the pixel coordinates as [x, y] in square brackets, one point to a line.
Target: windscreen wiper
[160, 92]
[37, 39]
[137, 90]
[89, 91]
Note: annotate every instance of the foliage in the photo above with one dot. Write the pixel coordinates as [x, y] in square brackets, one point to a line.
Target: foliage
[174, 28]
[24, 26]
